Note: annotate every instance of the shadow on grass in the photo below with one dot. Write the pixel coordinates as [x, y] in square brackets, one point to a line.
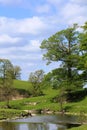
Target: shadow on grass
[73, 125]
[71, 96]
[76, 96]
[23, 92]
[67, 108]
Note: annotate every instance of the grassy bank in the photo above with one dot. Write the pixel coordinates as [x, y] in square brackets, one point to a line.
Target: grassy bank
[83, 127]
[11, 114]
[44, 102]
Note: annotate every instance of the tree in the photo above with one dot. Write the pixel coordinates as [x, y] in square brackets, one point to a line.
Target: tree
[64, 47]
[16, 72]
[6, 81]
[36, 78]
[83, 49]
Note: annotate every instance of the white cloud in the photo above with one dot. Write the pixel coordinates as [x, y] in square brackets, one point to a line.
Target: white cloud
[43, 8]
[3, 52]
[31, 25]
[20, 38]
[10, 2]
[82, 2]
[27, 25]
[20, 55]
[33, 57]
[26, 52]
[74, 12]
[55, 2]
[23, 58]
[4, 38]
[32, 46]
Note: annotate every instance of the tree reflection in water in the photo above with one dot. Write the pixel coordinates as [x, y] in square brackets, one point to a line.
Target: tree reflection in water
[30, 126]
[8, 126]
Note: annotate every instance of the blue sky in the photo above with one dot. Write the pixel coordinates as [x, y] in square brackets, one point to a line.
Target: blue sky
[25, 23]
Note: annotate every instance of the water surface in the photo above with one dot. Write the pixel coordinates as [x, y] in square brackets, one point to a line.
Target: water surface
[46, 122]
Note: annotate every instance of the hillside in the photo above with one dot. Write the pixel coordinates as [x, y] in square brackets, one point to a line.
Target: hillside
[42, 103]
[45, 101]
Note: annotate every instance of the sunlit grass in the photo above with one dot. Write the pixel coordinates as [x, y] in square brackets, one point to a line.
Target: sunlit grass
[44, 101]
[19, 84]
[77, 106]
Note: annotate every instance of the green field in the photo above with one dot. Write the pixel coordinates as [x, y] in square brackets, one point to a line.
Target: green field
[19, 84]
[43, 102]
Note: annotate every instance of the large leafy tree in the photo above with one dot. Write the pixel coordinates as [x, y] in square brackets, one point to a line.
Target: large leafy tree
[6, 80]
[64, 47]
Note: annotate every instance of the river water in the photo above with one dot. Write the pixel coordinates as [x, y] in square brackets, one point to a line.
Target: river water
[43, 122]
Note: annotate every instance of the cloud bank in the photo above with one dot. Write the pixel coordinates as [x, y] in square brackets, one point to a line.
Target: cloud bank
[20, 38]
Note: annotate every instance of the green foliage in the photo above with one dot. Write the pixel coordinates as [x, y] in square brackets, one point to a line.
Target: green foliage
[9, 114]
[83, 49]
[64, 47]
[61, 45]
[16, 72]
[6, 81]
[36, 79]
[70, 48]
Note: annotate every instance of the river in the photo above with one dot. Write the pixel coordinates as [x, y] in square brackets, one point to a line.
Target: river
[42, 122]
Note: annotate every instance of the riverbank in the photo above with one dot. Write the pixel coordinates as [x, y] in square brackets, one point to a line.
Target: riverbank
[9, 115]
[6, 114]
[82, 127]
[20, 114]
[45, 104]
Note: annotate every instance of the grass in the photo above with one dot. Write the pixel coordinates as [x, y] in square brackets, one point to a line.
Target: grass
[18, 84]
[77, 107]
[42, 102]
[83, 127]
[10, 113]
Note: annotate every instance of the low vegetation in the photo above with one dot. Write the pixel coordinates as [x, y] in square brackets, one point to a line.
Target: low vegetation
[11, 113]
[40, 103]
[83, 127]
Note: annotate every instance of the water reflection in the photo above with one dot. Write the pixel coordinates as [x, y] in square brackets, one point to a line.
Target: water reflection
[46, 122]
[7, 126]
[30, 126]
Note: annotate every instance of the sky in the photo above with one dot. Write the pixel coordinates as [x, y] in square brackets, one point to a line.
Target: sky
[24, 24]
